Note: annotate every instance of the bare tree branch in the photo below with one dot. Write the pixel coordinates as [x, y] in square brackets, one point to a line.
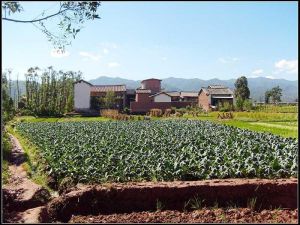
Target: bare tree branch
[37, 20]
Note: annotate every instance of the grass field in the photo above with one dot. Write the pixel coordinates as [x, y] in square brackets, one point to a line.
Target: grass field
[283, 124]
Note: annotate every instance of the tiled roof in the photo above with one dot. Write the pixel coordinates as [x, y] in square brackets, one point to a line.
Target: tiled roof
[218, 91]
[159, 93]
[188, 94]
[174, 93]
[106, 88]
[143, 91]
[79, 81]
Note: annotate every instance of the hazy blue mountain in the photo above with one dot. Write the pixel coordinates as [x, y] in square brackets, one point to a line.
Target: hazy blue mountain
[103, 80]
[257, 86]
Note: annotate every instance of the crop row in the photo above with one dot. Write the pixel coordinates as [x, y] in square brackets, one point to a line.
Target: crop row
[160, 150]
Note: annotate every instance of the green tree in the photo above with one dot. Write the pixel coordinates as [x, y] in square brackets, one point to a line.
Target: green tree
[241, 88]
[109, 99]
[70, 17]
[239, 103]
[7, 104]
[247, 105]
[50, 93]
[275, 93]
[267, 96]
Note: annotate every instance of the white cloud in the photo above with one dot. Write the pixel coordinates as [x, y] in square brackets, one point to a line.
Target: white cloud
[228, 60]
[105, 51]
[270, 77]
[253, 76]
[90, 56]
[258, 71]
[57, 53]
[113, 64]
[288, 66]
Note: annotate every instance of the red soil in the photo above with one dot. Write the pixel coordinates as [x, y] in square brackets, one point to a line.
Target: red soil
[237, 215]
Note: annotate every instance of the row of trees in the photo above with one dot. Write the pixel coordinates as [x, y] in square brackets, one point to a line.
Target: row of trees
[273, 95]
[7, 103]
[48, 93]
[51, 92]
[242, 94]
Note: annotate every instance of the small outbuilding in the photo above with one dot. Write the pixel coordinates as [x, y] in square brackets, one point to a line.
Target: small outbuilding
[210, 97]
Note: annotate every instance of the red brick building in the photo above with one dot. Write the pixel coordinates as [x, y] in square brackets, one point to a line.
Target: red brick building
[151, 96]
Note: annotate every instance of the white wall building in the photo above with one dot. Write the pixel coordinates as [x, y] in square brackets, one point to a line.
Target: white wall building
[82, 94]
[161, 97]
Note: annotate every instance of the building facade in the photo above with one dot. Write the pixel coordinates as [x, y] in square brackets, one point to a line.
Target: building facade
[211, 97]
[148, 96]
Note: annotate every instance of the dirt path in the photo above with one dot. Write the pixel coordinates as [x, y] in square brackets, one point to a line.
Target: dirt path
[22, 197]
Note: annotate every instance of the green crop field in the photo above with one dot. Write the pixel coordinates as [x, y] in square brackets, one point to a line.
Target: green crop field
[159, 150]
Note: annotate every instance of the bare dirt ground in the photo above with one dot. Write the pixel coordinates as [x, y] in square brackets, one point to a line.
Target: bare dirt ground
[237, 215]
[22, 198]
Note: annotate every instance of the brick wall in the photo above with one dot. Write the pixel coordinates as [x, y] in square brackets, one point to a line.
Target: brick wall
[203, 100]
[142, 97]
[143, 107]
[153, 85]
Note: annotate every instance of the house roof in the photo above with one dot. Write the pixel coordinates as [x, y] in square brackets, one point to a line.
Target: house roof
[83, 81]
[143, 91]
[159, 93]
[106, 88]
[173, 93]
[217, 90]
[188, 94]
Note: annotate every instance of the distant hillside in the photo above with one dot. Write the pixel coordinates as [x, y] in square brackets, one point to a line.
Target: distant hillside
[257, 86]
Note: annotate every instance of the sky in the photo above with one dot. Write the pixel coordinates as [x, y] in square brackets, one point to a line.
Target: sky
[140, 40]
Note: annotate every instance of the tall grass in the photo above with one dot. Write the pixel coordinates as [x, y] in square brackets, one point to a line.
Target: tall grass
[277, 108]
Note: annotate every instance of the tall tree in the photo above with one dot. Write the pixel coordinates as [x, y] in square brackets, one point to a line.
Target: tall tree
[267, 96]
[274, 94]
[7, 104]
[241, 88]
[70, 17]
[51, 93]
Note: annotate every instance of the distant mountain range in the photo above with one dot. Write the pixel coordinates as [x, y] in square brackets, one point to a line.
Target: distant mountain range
[257, 86]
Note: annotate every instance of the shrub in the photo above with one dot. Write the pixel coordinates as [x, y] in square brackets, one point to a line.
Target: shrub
[247, 105]
[239, 103]
[226, 107]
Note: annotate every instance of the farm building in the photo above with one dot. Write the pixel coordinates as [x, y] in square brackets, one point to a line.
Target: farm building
[87, 95]
[148, 96]
[210, 97]
[151, 96]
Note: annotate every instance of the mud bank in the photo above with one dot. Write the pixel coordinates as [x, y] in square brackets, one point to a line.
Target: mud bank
[137, 197]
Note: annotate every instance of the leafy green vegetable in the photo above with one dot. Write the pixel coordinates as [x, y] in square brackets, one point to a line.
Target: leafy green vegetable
[160, 150]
